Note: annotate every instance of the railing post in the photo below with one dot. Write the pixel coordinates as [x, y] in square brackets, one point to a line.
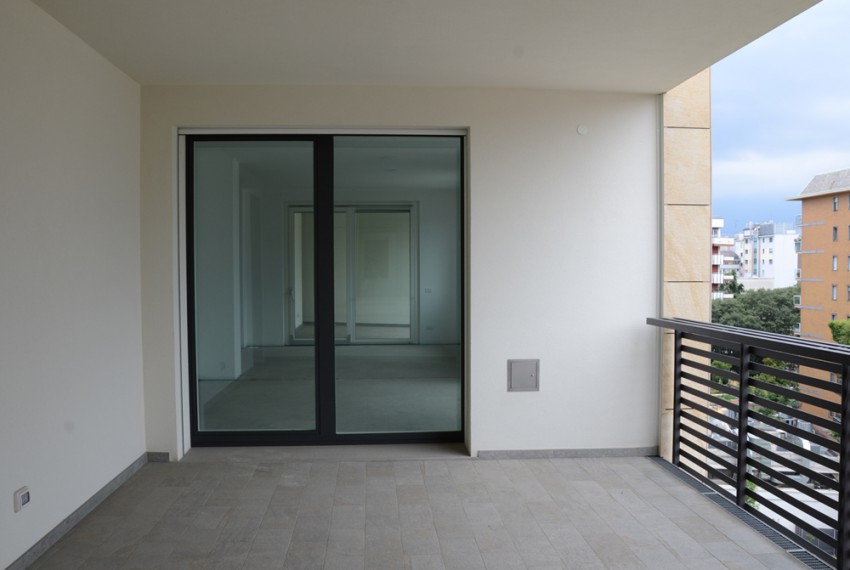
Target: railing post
[743, 413]
[843, 548]
[677, 394]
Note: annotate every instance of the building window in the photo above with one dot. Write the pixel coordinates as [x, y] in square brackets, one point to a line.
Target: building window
[848, 295]
[835, 203]
[770, 262]
[835, 263]
[834, 233]
[835, 292]
[834, 317]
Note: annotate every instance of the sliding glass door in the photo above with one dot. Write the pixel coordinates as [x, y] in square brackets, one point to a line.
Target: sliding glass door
[325, 288]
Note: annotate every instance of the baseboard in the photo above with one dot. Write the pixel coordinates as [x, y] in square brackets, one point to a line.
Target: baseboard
[60, 530]
[158, 457]
[569, 453]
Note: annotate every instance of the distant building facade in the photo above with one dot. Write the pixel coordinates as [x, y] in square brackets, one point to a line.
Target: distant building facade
[824, 256]
[767, 254]
[723, 259]
[824, 253]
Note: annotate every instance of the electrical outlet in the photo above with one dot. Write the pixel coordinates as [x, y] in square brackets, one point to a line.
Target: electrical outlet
[21, 498]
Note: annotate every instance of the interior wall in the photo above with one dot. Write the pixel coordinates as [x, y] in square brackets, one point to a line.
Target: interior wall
[549, 273]
[437, 238]
[71, 392]
[218, 329]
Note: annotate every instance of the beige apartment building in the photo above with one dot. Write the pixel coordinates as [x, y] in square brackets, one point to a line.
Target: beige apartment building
[824, 255]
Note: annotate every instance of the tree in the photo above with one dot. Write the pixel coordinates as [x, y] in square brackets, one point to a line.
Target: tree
[732, 287]
[764, 310]
[769, 310]
[840, 331]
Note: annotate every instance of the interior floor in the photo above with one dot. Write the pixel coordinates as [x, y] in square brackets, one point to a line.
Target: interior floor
[379, 389]
[307, 331]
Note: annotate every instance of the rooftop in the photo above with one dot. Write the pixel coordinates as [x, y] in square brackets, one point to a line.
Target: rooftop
[824, 184]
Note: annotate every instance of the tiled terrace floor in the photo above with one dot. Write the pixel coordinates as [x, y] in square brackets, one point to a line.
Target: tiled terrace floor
[401, 507]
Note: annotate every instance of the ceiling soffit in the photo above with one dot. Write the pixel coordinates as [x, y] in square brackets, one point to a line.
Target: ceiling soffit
[599, 45]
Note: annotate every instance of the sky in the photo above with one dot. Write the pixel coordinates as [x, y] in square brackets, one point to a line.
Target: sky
[780, 115]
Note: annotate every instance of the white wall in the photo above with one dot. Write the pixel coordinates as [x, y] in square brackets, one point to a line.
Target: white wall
[549, 275]
[785, 260]
[71, 413]
[218, 331]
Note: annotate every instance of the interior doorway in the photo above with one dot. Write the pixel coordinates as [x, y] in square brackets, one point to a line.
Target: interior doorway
[375, 261]
[325, 288]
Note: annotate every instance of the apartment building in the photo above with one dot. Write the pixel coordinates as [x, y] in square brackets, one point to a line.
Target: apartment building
[824, 256]
[723, 259]
[768, 255]
[824, 253]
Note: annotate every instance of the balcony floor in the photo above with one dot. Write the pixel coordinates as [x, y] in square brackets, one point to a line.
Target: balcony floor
[408, 506]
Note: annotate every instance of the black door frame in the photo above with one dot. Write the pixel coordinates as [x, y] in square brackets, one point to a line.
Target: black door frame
[325, 380]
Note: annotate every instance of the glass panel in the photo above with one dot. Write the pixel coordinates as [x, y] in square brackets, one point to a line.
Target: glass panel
[251, 375]
[401, 370]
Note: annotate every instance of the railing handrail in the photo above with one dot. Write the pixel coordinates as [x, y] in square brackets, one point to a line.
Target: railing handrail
[820, 350]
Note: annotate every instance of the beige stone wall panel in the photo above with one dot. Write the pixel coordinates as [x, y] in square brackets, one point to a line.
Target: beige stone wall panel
[687, 300]
[689, 104]
[687, 246]
[687, 166]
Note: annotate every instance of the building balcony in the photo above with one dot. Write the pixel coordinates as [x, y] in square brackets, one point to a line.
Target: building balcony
[775, 461]
[412, 507]
[756, 419]
[717, 278]
[721, 295]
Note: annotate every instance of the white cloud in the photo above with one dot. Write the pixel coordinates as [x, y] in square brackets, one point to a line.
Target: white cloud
[756, 174]
[781, 114]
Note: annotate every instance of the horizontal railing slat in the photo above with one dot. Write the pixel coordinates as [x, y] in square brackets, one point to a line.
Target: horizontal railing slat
[793, 412]
[830, 444]
[793, 501]
[809, 381]
[725, 388]
[802, 397]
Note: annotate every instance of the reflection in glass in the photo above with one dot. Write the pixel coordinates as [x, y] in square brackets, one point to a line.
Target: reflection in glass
[398, 367]
[249, 376]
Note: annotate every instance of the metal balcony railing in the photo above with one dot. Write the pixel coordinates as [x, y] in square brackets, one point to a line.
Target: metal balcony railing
[764, 419]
